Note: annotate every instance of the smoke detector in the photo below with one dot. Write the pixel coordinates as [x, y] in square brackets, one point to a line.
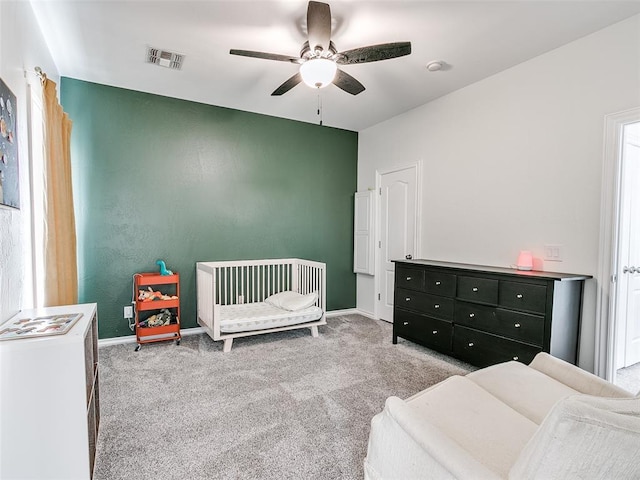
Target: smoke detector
[435, 66]
[164, 58]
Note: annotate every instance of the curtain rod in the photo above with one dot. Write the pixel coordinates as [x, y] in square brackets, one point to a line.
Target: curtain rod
[40, 73]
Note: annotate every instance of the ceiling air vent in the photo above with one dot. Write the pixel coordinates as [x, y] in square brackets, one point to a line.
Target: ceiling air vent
[164, 58]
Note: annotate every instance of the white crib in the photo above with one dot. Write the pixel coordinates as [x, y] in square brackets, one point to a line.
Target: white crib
[235, 289]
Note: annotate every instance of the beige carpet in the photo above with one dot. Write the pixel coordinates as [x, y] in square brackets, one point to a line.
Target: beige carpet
[278, 406]
[629, 378]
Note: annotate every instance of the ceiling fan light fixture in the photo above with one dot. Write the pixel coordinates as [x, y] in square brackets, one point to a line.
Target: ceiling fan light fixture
[318, 72]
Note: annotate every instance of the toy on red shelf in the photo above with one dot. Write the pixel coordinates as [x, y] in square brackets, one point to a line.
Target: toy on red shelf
[150, 295]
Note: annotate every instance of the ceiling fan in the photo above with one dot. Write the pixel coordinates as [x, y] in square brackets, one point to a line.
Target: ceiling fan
[319, 58]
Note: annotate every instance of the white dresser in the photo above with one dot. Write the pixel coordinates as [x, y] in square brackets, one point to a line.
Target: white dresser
[49, 402]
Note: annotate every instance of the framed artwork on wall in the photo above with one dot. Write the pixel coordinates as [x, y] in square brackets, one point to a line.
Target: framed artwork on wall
[9, 180]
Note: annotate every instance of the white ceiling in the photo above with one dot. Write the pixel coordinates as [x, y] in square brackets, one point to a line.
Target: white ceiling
[105, 42]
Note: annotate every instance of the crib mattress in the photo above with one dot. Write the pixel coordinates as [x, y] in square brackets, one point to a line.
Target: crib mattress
[261, 316]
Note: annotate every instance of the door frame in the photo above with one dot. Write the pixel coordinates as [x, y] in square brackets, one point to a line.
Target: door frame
[606, 301]
[417, 166]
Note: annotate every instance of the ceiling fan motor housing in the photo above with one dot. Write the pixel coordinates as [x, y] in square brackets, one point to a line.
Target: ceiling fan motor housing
[306, 53]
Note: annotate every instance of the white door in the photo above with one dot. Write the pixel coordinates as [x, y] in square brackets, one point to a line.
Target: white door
[398, 228]
[629, 250]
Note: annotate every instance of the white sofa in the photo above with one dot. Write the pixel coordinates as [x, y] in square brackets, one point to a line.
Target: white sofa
[546, 420]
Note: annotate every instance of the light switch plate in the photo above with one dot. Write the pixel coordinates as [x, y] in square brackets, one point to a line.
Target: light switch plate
[553, 253]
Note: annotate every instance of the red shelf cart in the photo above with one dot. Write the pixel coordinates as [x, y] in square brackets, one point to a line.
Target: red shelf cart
[169, 285]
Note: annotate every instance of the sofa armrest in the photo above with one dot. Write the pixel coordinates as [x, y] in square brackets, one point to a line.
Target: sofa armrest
[402, 445]
[576, 378]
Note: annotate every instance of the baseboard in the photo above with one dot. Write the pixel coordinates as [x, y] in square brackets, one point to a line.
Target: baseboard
[105, 342]
[337, 313]
[366, 314]
[350, 311]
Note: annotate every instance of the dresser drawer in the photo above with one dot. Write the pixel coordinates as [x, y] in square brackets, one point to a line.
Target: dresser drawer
[523, 296]
[411, 278]
[475, 315]
[483, 349]
[475, 289]
[427, 331]
[440, 283]
[432, 305]
[524, 327]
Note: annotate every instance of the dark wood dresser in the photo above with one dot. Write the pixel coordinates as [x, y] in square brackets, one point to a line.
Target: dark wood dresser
[486, 315]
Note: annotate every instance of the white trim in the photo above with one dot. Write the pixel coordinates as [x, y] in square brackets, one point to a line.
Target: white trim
[346, 311]
[608, 254]
[368, 233]
[365, 314]
[418, 230]
[106, 342]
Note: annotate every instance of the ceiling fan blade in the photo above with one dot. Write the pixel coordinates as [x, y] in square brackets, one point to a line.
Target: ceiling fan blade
[266, 56]
[373, 53]
[347, 83]
[288, 85]
[319, 25]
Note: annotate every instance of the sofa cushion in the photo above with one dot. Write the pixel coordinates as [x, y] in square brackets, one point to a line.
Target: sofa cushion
[524, 389]
[492, 432]
[584, 437]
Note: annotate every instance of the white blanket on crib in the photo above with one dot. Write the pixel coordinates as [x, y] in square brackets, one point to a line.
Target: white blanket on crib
[261, 316]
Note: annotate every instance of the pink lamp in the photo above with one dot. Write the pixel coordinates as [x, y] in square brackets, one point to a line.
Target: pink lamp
[525, 260]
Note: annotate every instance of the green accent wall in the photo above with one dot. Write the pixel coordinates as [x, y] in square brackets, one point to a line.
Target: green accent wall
[161, 178]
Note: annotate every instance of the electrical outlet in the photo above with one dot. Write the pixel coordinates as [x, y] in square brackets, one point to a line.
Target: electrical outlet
[553, 253]
[128, 311]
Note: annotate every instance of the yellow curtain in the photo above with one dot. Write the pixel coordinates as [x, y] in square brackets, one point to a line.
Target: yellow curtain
[61, 271]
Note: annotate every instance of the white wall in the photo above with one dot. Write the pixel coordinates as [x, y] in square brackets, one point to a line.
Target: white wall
[21, 49]
[514, 161]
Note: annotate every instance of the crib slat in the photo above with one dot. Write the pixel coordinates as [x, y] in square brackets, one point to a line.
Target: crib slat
[242, 283]
[255, 284]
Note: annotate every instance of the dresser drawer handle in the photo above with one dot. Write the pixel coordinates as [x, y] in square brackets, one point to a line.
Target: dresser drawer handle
[438, 282]
[435, 332]
[471, 344]
[519, 295]
[436, 305]
[474, 289]
[517, 325]
[405, 323]
[516, 357]
[471, 315]
[408, 279]
[407, 299]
